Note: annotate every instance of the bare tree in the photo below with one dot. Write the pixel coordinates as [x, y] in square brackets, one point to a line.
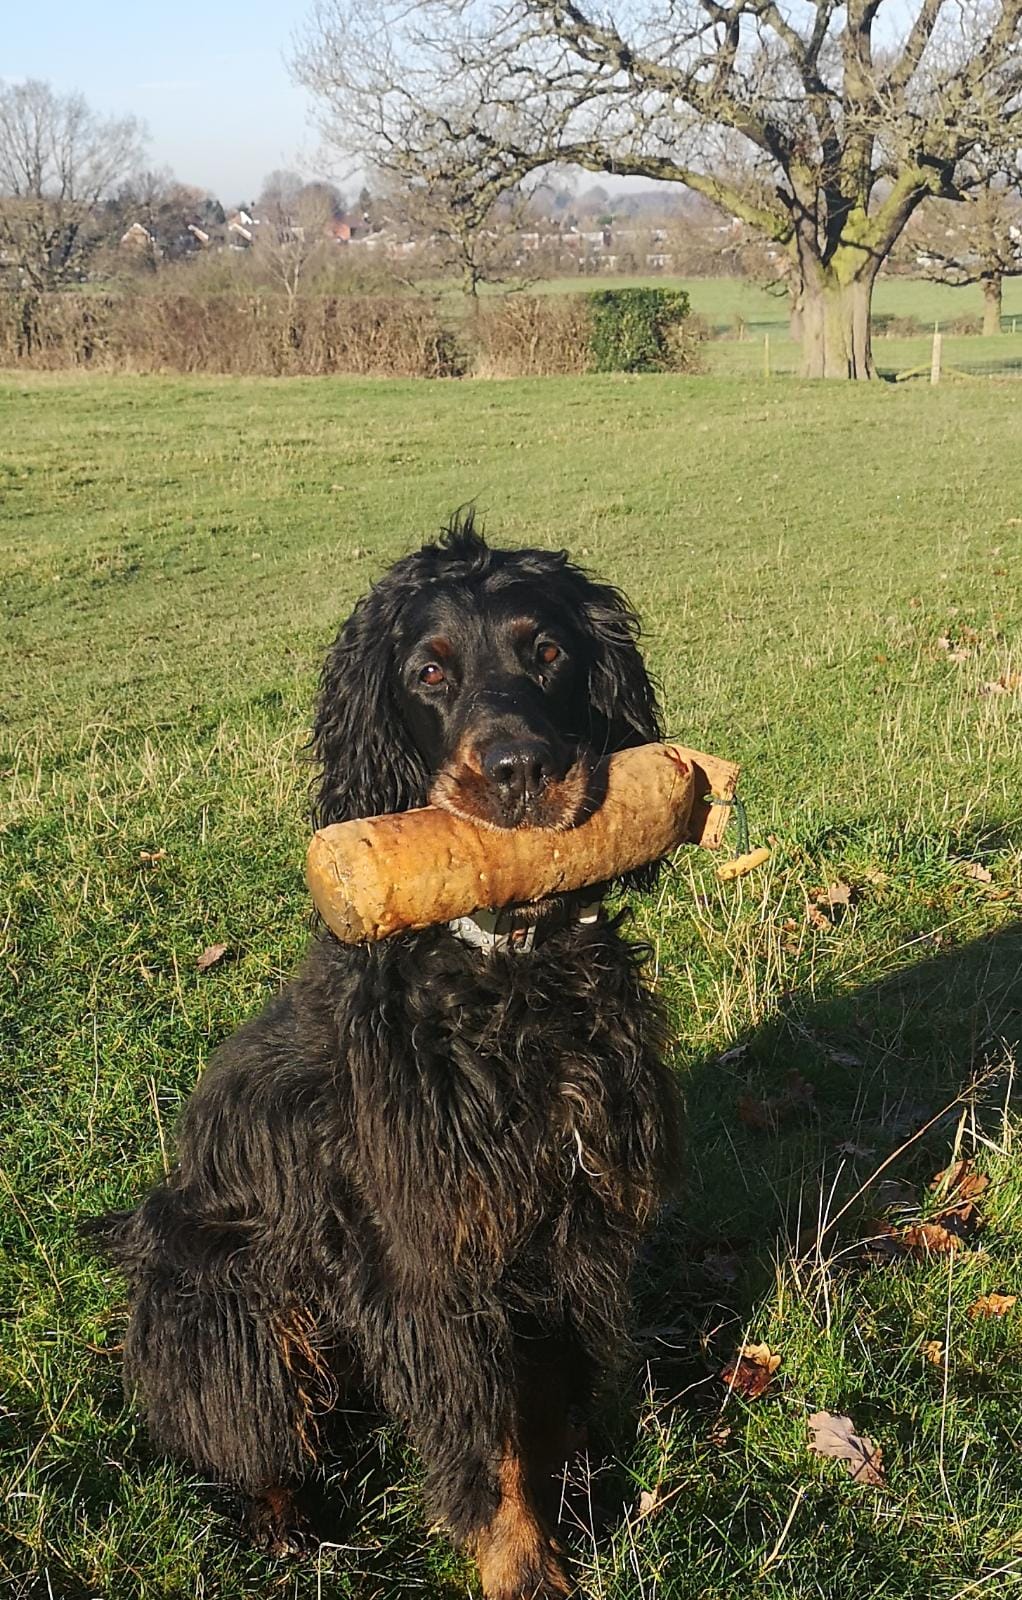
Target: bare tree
[848, 119]
[280, 190]
[57, 161]
[476, 242]
[979, 241]
[291, 235]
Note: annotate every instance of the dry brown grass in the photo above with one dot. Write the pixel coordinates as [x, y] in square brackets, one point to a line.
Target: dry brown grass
[258, 335]
[527, 336]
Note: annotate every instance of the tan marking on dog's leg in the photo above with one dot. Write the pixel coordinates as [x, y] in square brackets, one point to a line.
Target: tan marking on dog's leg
[517, 1558]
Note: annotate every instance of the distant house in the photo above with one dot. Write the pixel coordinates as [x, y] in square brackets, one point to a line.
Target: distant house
[138, 237]
[340, 231]
[240, 230]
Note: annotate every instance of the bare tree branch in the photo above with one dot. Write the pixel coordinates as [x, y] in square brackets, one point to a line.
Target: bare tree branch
[811, 124]
[57, 161]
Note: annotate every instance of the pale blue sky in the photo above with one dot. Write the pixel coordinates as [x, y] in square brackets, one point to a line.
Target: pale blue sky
[207, 76]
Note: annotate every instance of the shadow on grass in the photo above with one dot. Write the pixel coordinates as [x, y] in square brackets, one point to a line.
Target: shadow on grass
[864, 1069]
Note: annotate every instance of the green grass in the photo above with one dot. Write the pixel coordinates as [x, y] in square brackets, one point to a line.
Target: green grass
[175, 556]
[733, 306]
[999, 356]
[722, 301]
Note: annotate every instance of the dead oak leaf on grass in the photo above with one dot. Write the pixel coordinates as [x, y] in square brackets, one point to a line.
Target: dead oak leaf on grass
[977, 871]
[940, 1237]
[930, 1239]
[210, 956]
[835, 1436]
[817, 919]
[751, 1370]
[960, 1183]
[826, 907]
[992, 1305]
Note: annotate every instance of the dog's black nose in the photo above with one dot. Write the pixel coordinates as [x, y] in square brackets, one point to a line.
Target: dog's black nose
[519, 769]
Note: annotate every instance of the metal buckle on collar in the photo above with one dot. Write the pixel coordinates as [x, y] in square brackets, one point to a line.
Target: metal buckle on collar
[508, 930]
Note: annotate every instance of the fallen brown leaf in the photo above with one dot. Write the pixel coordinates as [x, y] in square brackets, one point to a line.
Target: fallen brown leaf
[835, 1436]
[816, 917]
[836, 894]
[934, 1352]
[929, 1238]
[210, 956]
[755, 1113]
[959, 1182]
[149, 858]
[993, 1305]
[940, 1235]
[1007, 683]
[751, 1370]
[976, 871]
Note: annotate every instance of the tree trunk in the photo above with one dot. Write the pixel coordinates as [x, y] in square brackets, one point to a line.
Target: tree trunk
[836, 340]
[992, 287]
[795, 298]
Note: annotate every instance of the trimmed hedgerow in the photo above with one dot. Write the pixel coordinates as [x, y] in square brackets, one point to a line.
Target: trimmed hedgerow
[630, 329]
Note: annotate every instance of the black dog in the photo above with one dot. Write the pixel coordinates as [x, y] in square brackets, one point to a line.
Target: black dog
[425, 1169]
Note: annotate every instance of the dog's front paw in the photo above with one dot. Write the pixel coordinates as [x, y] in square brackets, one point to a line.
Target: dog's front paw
[275, 1525]
[517, 1574]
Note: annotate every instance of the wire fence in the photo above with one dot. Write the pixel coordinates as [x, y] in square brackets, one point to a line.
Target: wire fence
[771, 353]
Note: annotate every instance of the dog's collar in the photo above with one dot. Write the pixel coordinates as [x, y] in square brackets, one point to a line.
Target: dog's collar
[511, 929]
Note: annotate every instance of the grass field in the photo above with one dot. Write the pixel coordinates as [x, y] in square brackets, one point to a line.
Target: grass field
[730, 306]
[722, 301]
[829, 580]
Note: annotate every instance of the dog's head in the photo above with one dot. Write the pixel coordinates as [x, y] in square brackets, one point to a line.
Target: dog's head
[487, 681]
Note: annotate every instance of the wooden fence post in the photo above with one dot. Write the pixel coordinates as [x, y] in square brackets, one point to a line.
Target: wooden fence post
[935, 354]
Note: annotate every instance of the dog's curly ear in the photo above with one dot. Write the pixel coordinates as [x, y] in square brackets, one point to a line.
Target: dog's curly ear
[366, 763]
[621, 695]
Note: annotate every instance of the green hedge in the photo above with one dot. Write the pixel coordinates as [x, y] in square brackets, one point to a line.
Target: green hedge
[631, 328]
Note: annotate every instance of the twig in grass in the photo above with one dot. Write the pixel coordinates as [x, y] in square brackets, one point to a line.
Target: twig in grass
[998, 1572]
[159, 1126]
[778, 1543]
[43, 1439]
[944, 1388]
[959, 1099]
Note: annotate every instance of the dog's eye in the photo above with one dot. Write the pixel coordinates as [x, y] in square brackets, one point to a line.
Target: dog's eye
[432, 674]
[547, 652]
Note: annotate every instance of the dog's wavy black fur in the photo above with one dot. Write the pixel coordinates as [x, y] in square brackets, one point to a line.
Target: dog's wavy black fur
[423, 1168]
